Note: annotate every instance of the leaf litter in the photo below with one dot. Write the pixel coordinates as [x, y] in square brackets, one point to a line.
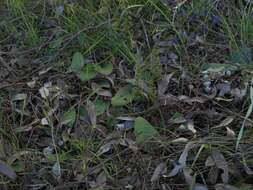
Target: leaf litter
[110, 67]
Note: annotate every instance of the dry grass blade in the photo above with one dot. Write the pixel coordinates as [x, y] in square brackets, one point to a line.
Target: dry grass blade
[160, 169]
[240, 135]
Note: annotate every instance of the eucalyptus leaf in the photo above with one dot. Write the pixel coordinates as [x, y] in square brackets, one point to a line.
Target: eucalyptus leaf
[124, 96]
[100, 106]
[69, 117]
[77, 62]
[88, 72]
[143, 130]
[105, 68]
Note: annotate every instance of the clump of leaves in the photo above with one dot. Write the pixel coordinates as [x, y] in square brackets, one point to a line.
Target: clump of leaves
[88, 71]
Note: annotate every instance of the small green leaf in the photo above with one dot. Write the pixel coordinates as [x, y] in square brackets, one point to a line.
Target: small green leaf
[143, 130]
[87, 73]
[81, 39]
[69, 117]
[100, 106]
[105, 68]
[124, 96]
[77, 62]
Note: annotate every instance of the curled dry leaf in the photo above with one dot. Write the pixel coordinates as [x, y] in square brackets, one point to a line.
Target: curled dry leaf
[225, 122]
[107, 147]
[182, 160]
[44, 91]
[129, 143]
[188, 126]
[180, 140]
[230, 132]
[160, 169]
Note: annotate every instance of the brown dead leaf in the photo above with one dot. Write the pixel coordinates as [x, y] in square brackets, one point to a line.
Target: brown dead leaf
[129, 143]
[7, 170]
[160, 169]
[230, 132]
[225, 122]
[107, 147]
[182, 160]
[180, 140]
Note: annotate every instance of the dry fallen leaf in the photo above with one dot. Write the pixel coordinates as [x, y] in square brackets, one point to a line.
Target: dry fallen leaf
[225, 122]
[190, 126]
[7, 170]
[182, 160]
[31, 84]
[180, 140]
[45, 90]
[107, 147]
[230, 132]
[129, 143]
[160, 169]
[163, 84]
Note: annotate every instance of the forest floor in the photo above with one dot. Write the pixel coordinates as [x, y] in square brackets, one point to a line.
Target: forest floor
[126, 94]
